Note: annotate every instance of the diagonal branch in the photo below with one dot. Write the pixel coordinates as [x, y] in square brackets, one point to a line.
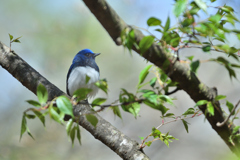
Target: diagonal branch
[187, 80]
[104, 131]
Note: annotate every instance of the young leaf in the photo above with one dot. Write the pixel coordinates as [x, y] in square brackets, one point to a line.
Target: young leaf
[116, 111]
[167, 25]
[185, 123]
[69, 126]
[201, 5]
[153, 82]
[145, 43]
[189, 111]
[82, 93]
[87, 79]
[144, 74]
[102, 84]
[180, 7]
[194, 66]
[98, 101]
[152, 21]
[30, 116]
[148, 143]
[40, 116]
[72, 135]
[64, 105]
[78, 134]
[142, 138]
[201, 102]
[29, 133]
[23, 126]
[42, 94]
[235, 130]
[10, 36]
[92, 119]
[230, 106]
[34, 103]
[210, 108]
[219, 97]
[206, 48]
[54, 115]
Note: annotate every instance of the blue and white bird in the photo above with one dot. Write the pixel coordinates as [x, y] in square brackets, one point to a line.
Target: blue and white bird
[83, 64]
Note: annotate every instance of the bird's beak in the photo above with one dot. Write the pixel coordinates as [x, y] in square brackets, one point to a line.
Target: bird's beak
[96, 54]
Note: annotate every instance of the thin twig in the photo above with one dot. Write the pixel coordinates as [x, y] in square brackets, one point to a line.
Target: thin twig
[226, 120]
[163, 123]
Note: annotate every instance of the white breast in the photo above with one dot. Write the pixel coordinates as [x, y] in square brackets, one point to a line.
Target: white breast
[77, 80]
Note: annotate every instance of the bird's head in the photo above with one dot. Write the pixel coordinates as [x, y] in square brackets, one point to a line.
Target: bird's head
[85, 56]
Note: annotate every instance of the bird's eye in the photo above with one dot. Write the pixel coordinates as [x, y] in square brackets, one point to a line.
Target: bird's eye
[87, 54]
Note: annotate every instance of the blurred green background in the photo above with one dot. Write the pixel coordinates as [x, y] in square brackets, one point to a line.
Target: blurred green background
[53, 32]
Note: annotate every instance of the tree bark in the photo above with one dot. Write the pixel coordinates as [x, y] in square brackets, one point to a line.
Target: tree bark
[125, 147]
[186, 79]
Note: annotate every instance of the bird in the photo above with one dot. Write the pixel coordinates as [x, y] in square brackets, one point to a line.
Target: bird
[83, 65]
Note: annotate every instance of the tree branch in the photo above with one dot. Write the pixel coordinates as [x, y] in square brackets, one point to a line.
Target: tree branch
[125, 147]
[186, 79]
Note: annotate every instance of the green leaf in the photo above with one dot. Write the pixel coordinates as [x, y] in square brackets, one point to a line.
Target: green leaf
[156, 133]
[158, 106]
[17, 40]
[185, 123]
[98, 101]
[34, 103]
[235, 130]
[92, 119]
[201, 102]
[148, 143]
[167, 25]
[210, 108]
[166, 99]
[190, 58]
[152, 21]
[102, 84]
[142, 138]
[40, 116]
[166, 142]
[145, 43]
[180, 7]
[72, 135]
[201, 5]
[189, 111]
[153, 82]
[10, 36]
[87, 79]
[54, 115]
[69, 126]
[144, 74]
[134, 109]
[230, 106]
[206, 48]
[169, 115]
[78, 134]
[30, 116]
[23, 126]
[64, 105]
[29, 133]
[82, 93]
[116, 111]
[215, 18]
[194, 66]
[219, 97]
[42, 94]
